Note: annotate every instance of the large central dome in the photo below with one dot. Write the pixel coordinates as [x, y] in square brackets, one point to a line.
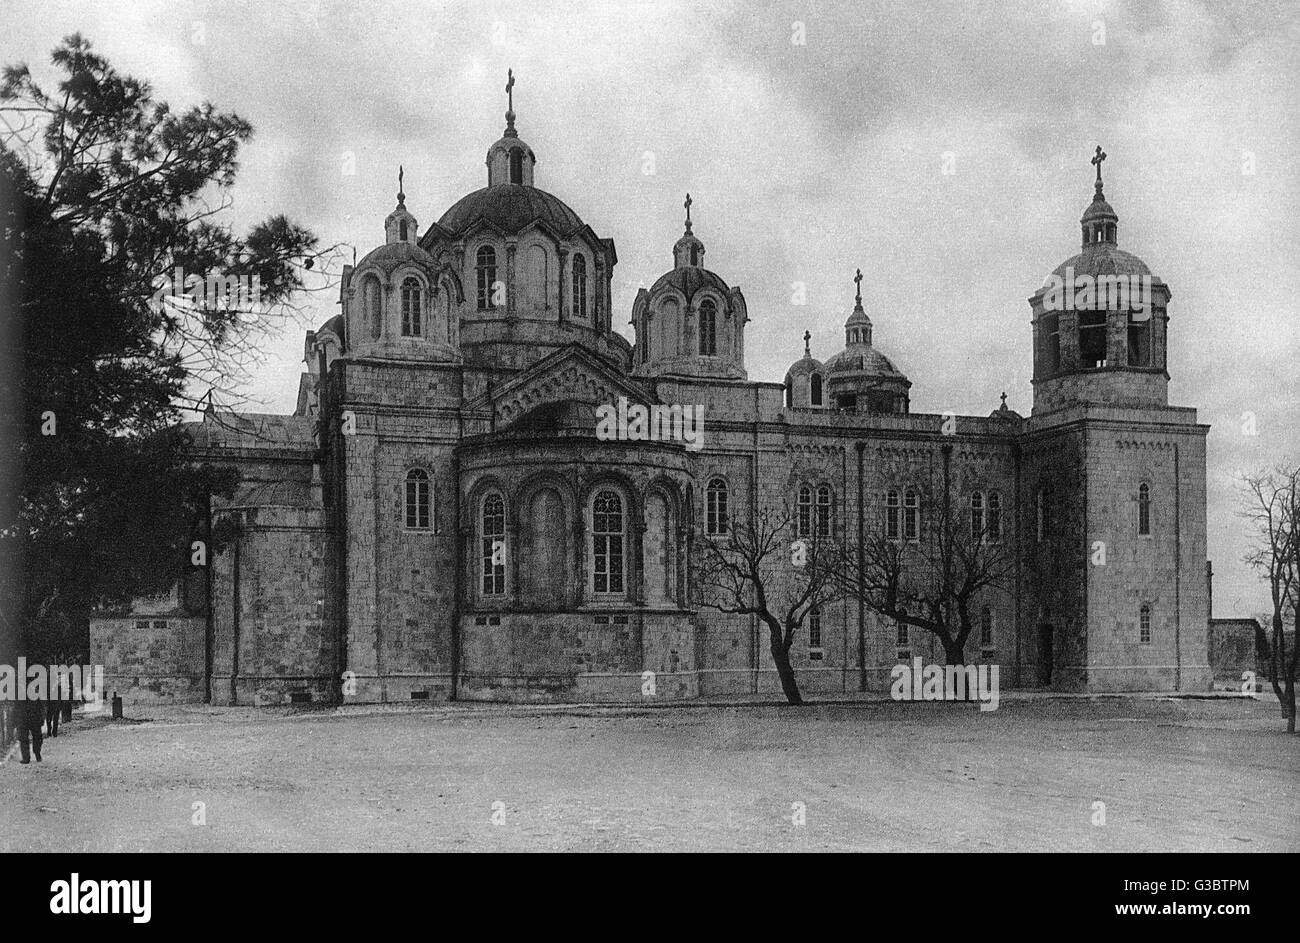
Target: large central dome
[510, 208]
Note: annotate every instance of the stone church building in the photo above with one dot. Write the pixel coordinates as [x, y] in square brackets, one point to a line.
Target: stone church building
[438, 519]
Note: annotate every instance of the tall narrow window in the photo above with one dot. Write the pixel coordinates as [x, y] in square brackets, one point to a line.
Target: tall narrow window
[986, 627]
[374, 306]
[803, 517]
[486, 270]
[708, 327]
[492, 533]
[516, 165]
[1139, 338]
[417, 499]
[715, 507]
[825, 509]
[815, 389]
[1144, 624]
[1144, 509]
[900, 633]
[814, 628]
[893, 516]
[411, 307]
[401, 230]
[579, 286]
[607, 543]
[1051, 327]
[912, 516]
[976, 517]
[993, 517]
[1092, 338]
[789, 392]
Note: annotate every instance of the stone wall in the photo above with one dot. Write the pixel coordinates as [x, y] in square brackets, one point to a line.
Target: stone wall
[150, 661]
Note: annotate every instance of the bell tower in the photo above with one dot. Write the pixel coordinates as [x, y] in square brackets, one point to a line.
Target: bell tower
[1099, 321]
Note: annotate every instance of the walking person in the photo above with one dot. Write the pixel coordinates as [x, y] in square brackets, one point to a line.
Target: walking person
[30, 717]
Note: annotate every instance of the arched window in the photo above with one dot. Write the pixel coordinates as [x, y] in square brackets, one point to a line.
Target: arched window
[803, 516]
[1144, 509]
[708, 327]
[516, 165]
[893, 516]
[1144, 624]
[986, 627]
[373, 305]
[492, 536]
[647, 345]
[607, 543]
[411, 326]
[715, 507]
[993, 517]
[976, 517]
[815, 389]
[912, 516]
[824, 511]
[579, 286]
[486, 269]
[401, 230]
[417, 499]
[814, 628]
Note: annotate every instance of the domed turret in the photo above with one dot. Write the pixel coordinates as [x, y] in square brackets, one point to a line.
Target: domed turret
[537, 277]
[861, 378]
[398, 301]
[805, 381]
[1099, 321]
[690, 323]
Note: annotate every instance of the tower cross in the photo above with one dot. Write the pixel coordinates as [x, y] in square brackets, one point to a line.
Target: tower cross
[807, 336]
[1096, 161]
[400, 195]
[510, 89]
[857, 280]
[687, 204]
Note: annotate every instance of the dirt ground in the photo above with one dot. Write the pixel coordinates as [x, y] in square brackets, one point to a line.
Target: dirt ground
[1174, 775]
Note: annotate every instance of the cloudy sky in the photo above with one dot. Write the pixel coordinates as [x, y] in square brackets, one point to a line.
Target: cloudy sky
[814, 139]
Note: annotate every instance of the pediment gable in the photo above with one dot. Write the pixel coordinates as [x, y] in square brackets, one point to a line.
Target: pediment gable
[568, 375]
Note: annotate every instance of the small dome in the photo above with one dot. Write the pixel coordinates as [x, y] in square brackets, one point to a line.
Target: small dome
[1103, 258]
[861, 359]
[689, 279]
[805, 368]
[390, 255]
[511, 208]
[1098, 209]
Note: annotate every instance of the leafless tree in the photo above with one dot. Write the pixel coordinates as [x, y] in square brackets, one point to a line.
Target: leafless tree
[933, 577]
[766, 570]
[1273, 510]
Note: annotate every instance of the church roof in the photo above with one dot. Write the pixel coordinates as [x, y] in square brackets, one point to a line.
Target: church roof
[511, 207]
[1104, 258]
[861, 358]
[392, 254]
[805, 367]
[689, 279]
